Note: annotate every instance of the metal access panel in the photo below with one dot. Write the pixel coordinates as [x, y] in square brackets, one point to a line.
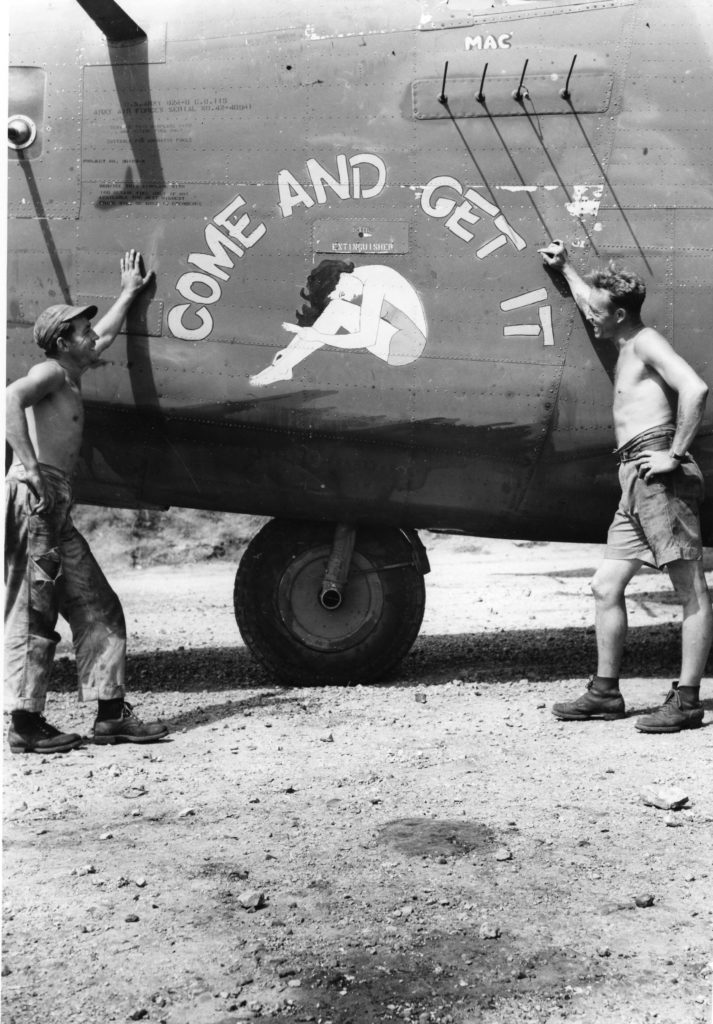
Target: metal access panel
[511, 95]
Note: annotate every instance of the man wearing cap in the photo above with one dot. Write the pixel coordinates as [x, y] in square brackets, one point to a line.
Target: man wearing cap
[49, 568]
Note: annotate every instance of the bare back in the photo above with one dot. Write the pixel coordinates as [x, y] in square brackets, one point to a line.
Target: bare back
[642, 398]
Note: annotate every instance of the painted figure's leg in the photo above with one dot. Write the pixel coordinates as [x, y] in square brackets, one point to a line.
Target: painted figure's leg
[338, 315]
[284, 362]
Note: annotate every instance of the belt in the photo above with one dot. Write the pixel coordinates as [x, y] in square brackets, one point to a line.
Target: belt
[656, 439]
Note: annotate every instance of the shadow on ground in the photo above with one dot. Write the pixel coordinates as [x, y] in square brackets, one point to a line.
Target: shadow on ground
[507, 656]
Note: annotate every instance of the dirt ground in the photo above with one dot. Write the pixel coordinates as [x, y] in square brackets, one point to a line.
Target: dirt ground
[434, 848]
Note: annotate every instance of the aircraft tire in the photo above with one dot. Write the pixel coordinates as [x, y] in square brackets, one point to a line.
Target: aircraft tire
[280, 617]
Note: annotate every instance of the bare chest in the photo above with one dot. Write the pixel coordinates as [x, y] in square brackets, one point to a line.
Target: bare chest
[59, 418]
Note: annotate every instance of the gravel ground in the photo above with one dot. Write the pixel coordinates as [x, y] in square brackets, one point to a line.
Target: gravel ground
[434, 848]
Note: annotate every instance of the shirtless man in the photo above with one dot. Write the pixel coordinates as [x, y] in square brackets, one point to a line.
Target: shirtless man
[49, 568]
[658, 408]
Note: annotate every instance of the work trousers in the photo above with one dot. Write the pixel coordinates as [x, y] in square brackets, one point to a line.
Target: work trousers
[49, 570]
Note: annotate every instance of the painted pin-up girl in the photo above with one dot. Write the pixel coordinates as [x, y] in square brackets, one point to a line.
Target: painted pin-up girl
[372, 308]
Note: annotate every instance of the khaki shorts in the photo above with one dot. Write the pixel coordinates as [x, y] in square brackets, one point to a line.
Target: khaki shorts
[657, 522]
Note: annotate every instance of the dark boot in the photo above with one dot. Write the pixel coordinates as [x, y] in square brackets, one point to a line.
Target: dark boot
[592, 704]
[30, 733]
[673, 715]
[128, 728]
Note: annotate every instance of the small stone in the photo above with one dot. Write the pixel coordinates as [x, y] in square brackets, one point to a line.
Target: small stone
[5, 971]
[645, 900]
[187, 812]
[87, 869]
[131, 918]
[668, 798]
[138, 1014]
[134, 792]
[107, 835]
[294, 982]
[672, 821]
[489, 931]
[140, 882]
[251, 899]
[328, 738]
[420, 697]
[503, 853]
[603, 951]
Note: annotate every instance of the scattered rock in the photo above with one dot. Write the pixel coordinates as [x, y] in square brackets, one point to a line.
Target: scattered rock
[489, 931]
[133, 792]
[5, 970]
[239, 873]
[420, 697]
[503, 853]
[612, 906]
[251, 899]
[328, 738]
[668, 798]
[645, 900]
[138, 1014]
[187, 812]
[140, 882]
[673, 821]
[131, 918]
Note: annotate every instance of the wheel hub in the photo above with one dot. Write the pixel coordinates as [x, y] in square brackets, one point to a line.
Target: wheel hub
[322, 628]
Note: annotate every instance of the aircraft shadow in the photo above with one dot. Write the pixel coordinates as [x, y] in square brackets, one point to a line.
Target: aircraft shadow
[486, 659]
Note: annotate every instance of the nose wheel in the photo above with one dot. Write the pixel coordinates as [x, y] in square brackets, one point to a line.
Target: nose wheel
[300, 638]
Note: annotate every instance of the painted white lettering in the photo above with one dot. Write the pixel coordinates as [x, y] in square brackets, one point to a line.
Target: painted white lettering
[291, 193]
[320, 178]
[501, 42]
[483, 204]
[442, 207]
[212, 264]
[460, 214]
[238, 228]
[517, 240]
[372, 161]
[179, 330]
[186, 287]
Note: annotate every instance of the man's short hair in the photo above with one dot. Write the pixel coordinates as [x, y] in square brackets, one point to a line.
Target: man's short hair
[627, 288]
[52, 324]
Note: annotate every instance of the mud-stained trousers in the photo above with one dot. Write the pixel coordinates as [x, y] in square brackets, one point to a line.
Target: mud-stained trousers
[49, 570]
